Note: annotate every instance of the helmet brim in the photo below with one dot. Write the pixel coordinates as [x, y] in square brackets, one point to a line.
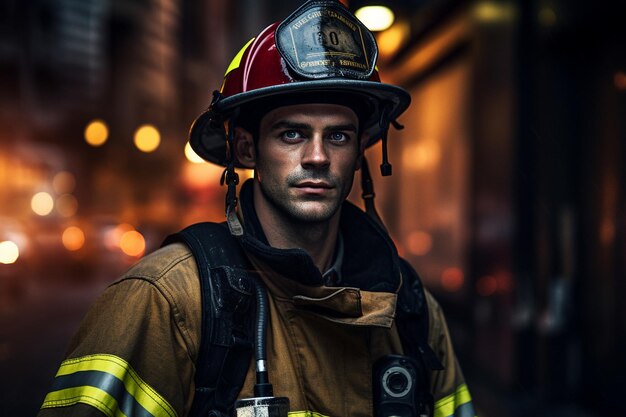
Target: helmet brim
[208, 139]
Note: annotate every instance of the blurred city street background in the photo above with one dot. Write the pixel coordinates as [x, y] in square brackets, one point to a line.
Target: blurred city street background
[508, 193]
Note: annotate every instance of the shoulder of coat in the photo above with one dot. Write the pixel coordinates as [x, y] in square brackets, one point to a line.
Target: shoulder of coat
[169, 261]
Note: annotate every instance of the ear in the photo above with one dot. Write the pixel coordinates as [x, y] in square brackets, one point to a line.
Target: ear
[245, 152]
[362, 142]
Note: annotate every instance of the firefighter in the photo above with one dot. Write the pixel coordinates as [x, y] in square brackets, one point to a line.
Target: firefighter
[299, 104]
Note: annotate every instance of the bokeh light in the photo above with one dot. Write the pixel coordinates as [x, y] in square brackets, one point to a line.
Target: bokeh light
[452, 279]
[147, 138]
[490, 11]
[199, 176]
[133, 243]
[73, 238]
[393, 38]
[191, 155]
[96, 133]
[67, 205]
[9, 252]
[376, 18]
[113, 235]
[42, 203]
[422, 156]
[419, 243]
[64, 182]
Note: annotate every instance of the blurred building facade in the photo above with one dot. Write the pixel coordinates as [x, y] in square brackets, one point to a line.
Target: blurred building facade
[510, 196]
[508, 193]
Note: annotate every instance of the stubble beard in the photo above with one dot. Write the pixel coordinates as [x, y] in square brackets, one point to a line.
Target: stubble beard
[294, 209]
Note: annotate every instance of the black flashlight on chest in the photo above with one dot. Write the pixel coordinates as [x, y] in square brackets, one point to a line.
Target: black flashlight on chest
[400, 388]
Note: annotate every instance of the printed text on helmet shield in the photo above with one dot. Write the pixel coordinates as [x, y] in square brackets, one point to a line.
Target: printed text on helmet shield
[322, 39]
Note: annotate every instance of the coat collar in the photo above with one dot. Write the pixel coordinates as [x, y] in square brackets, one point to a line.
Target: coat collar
[370, 259]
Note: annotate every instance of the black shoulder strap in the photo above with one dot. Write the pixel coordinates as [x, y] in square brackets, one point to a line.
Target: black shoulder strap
[227, 305]
[413, 318]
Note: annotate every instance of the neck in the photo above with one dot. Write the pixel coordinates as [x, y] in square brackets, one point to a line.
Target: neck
[318, 239]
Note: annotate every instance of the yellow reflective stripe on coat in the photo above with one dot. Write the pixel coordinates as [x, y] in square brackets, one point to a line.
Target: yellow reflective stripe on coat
[109, 384]
[458, 404]
[305, 414]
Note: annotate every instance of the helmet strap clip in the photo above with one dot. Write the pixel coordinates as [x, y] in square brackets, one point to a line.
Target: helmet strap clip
[231, 178]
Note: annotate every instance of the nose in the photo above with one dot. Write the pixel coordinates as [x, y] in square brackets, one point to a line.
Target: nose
[315, 154]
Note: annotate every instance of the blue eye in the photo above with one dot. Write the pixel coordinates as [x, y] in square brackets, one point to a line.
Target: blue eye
[290, 135]
[338, 137]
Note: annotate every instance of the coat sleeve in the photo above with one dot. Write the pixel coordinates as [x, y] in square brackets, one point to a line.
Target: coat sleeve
[451, 395]
[133, 355]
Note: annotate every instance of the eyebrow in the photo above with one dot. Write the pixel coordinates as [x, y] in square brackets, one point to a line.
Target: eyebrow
[286, 124]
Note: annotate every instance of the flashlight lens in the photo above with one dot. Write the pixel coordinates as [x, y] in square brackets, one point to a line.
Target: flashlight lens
[397, 382]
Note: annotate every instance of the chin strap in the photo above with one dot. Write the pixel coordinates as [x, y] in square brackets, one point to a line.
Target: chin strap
[384, 122]
[368, 194]
[231, 178]
[367, 185]
[385, 167]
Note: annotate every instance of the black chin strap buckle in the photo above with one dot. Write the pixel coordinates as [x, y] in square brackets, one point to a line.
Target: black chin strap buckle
[231, 179]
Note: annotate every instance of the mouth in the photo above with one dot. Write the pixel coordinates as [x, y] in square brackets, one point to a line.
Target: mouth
[314, 185]
[314, 188]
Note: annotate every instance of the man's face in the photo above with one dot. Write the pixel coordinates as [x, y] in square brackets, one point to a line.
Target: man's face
[305, 160]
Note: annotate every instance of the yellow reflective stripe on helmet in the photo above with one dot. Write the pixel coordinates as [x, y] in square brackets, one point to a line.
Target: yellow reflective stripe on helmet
[305, 414]
[234, 64]
[106, 382]
[449, 405]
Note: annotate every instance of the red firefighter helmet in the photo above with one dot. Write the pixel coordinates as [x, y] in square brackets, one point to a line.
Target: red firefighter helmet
[321, 53]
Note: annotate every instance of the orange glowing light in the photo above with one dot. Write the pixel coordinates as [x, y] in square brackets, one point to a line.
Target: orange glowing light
[197, 176]
[9, 252]
[113, 235]
[64, 182]
[419, 243]
[422, 156]
[96, 133]
[42, 203]
[245, 174]
[392, 39]
[67, 205]
[452, 279]
[133, 243]
[147, 138]
[487, 285]
[191, 155]
[73, 238]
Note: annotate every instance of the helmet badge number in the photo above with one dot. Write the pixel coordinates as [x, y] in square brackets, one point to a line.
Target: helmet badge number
[324, 40]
